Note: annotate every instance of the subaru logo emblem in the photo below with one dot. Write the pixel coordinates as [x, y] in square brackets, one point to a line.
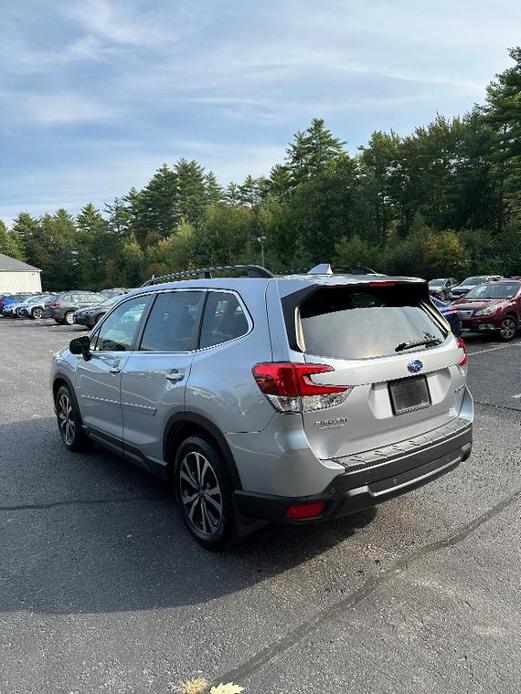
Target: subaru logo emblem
[415, 366]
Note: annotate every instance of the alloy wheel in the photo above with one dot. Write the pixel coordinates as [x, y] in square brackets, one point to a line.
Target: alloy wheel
[200, 493]
[37, 313]
[508, 328]
[66, 419]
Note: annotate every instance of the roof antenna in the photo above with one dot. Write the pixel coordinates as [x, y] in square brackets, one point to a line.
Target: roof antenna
[322, 269]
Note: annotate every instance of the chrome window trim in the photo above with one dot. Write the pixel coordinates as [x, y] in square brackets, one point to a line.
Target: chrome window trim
[206, 290]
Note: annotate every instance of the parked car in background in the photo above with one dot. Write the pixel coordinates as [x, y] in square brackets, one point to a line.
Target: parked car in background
[450, 314]
[62, 306]
[492, 307]
[9, 299]
[441, 287]
[11, 303]
[116, 291]
[92, 314]
[33, 307]
[470, 283]
[262, 398]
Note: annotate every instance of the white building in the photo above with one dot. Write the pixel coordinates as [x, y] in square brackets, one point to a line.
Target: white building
[16, 276]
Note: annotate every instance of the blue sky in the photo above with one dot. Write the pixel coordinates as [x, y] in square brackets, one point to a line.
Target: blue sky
[96, 94]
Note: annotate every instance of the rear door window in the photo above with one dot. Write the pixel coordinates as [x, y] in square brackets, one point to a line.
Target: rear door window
[362, 323]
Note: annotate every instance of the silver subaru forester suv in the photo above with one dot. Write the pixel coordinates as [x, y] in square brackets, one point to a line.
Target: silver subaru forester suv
[292, 398]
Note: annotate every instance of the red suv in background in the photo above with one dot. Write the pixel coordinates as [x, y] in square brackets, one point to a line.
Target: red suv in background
[493, 307]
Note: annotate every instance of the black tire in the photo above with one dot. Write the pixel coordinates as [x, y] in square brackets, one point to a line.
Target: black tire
[68, 318]
[509, 328]
[199, 470]
[37, 313]
[69, 421]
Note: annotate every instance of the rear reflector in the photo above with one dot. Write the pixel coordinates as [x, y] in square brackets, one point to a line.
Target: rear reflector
[465, 358]
[302, 511]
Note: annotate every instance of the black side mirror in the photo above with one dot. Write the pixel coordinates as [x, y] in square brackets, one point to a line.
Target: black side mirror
[81, 345]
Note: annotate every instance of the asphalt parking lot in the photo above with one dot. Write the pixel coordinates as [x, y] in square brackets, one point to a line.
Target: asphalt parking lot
[102, 589]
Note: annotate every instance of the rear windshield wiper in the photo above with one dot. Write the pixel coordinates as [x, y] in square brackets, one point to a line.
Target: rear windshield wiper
[430, 342]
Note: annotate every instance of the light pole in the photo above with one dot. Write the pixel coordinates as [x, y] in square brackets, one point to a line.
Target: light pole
[261, 240]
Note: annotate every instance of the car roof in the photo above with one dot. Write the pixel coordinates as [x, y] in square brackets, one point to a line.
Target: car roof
[236, 283]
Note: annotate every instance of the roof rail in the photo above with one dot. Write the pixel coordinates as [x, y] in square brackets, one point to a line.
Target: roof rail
[207, 273]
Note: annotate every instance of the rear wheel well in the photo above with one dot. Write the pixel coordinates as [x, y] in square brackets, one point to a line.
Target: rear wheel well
[180, 431]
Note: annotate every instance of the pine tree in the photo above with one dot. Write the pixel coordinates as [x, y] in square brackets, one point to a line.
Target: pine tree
[214, 192]
[10, 243]
[312, 151]
[248, 192]
[191, 191]
[155, 208]
[503, 112]
[232, 194]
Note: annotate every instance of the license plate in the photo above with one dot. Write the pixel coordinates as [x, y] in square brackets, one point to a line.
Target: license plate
[409, 394]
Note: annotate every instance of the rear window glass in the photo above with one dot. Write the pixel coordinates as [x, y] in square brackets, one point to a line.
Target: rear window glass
[352, 323]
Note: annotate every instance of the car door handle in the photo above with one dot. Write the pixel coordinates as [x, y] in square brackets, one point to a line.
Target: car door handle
[175, 375]
[116, 369]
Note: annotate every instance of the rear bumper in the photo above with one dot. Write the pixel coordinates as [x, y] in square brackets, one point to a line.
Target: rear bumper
[374, 477]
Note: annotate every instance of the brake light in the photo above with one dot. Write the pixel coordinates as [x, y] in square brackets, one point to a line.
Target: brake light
[302, 511]
[55, 304]
[289, 388]
[382, 284]
[465, 358]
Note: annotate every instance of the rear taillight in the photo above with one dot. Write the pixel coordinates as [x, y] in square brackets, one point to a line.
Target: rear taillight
[465, 358]
[304, 511]
[289, 388]
[55, 304]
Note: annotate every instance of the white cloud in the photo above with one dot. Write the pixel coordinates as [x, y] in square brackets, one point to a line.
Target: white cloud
[118, 86]
[50, 109]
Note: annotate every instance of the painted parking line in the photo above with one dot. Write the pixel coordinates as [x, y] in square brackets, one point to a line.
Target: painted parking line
[493, 349]
[516, 397]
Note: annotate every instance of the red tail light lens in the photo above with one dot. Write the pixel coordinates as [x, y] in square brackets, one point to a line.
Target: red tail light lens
[383, 283]
[55, 304]
[289, 388]
[465, 358]
[303, 511]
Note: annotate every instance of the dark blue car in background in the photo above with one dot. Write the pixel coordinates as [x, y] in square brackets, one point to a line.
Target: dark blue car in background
[450, 313]
[6, 299]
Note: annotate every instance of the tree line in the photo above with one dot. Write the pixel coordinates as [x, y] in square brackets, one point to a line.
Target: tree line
[442, 201]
